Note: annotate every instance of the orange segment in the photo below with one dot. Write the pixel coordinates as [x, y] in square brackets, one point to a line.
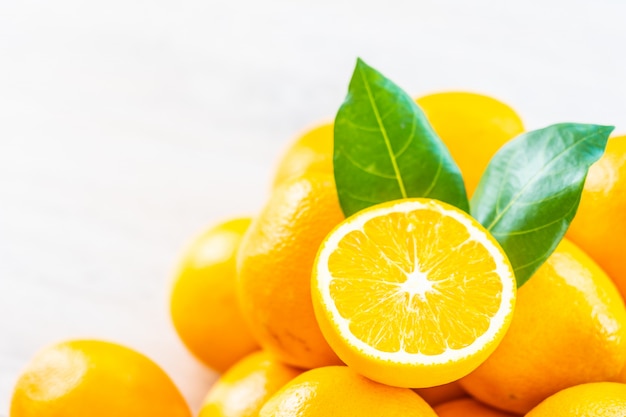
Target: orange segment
[412, 293]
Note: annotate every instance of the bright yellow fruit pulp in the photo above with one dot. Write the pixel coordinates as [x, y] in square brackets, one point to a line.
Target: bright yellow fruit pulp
[412, 293]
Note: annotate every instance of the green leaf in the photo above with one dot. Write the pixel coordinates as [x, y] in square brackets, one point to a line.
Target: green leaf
[530, 191]
[385, 149]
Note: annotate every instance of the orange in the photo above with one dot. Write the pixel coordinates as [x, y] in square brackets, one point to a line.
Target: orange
[244, 388]
[412, 293]
[599, 399]
[441, 393]
[97, 379]
[473, 127]
[311, 152]
[468, 407]
[203, 301]
[339, 391]
[599, 227]
[275, 263]
[621, 377]
[569, 327]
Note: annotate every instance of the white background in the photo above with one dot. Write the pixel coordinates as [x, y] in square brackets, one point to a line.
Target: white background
[127, 127]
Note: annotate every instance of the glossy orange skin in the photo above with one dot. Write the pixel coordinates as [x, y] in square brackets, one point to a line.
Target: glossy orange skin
[622, 375]
[339, 391]
[569, 328]
[599, 399]
[96, 379]
[441, 393]
[244, 388]
[203, 301]
[473, 127]
[468, 407]
[599, 227]
[275, 263]
[310, 152]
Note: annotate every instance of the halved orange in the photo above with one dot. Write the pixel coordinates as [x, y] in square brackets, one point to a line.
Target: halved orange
[412, 293]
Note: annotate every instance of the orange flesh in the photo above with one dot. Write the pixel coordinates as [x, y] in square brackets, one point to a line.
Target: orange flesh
[432, 285]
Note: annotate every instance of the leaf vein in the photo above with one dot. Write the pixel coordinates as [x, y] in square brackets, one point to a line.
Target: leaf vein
[431, 187]
[367, 170]
[359, 198]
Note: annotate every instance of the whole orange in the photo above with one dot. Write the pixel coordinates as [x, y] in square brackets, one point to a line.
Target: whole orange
[312, 151]
[203, 301]
[97, 379]
[275, 264]
[568, 328]
[339, 391]
[468, 407]
[598, 399]
[244, 388]
[473, 127]
[599, 227]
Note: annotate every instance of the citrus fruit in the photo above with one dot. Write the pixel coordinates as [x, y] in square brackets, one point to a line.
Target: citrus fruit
[203, 301]
[311, 152]
[569, 327]
[441, 393]
[275, 262]
[93, 378]
[622, 375]
[244, 388]
[597, 399]
[468, 407]
[473, 127]
[412, 293]
[339, 391]
[599, 227]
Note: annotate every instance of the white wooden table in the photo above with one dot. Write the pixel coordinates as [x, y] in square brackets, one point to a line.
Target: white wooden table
[127, 127]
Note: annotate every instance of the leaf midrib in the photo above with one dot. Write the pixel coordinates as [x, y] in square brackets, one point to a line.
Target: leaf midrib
[532, 179]
[384, 132]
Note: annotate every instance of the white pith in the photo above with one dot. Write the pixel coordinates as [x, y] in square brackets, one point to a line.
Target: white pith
[417, 284]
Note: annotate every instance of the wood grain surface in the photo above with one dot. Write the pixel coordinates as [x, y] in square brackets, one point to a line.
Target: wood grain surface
[127, 127]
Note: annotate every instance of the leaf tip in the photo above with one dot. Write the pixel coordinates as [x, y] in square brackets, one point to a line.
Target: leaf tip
[606, 129]
[360, 64]
[599, 129]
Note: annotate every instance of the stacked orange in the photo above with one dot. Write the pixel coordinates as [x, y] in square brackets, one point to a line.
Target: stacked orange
[307, 313]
